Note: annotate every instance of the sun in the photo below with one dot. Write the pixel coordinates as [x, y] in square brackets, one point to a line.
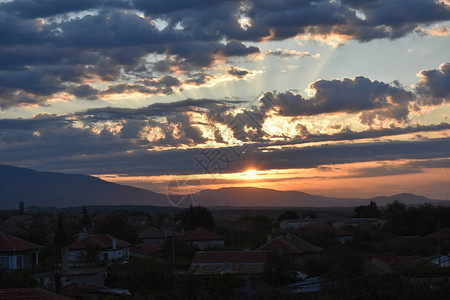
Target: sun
[250, 174]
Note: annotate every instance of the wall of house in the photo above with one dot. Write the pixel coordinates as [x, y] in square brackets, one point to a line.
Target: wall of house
[205, 244]
[16, 261]
[77, 255]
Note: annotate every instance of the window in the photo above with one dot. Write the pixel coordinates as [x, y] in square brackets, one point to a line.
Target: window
[19, 262]
[4, 262]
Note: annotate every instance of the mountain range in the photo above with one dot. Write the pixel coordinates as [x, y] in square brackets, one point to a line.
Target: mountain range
[46, 189]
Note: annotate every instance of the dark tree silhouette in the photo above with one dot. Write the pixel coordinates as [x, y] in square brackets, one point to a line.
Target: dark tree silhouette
[196, 217]
[85, 220]
[367, 211]
[21, 208]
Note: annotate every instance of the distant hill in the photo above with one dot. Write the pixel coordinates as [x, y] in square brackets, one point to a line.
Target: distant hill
[62, 190]
[251, 196]
[406, 198]
[46, 189]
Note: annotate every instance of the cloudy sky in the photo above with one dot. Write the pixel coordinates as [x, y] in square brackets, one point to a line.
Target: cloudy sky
[339, 97]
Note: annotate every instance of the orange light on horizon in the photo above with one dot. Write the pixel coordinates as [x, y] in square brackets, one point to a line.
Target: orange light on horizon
[250, 174]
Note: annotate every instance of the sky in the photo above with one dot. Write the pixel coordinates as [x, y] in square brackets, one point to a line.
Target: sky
[339, 98]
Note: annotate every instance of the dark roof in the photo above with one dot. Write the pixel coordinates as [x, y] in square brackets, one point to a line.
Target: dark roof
[443, 234]
[151, 232]
[145, 249]
[138, 218]
[100, 217]
[342, 233]
[229, 262]
[391, 259]
[201, 235]
[104, 241]
[291, 245]
[30, 294]
[317, 226]
[399, 241]
[10, 243]
[202, 257]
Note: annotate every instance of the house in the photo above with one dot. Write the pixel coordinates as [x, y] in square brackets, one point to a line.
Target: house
[203, 238]
[343, 236]
[91, 276]
[99, 218]
[29, 294]
[315, 229]
[375, 266]
[22, 219]
[16, 253]
[108, 247]
[443, 234]
[145, 249]
[293, 223]
[301, 250]
[310, 285]
[411, 260]
[245, 264]
[359, 222]
[138, 219]
[441, 260]
[208, 263]
[152, 234]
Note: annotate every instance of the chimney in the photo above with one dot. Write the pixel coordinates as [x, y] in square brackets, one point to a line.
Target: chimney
[114, 243]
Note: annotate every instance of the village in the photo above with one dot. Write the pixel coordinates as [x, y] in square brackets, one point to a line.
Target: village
[198, 253]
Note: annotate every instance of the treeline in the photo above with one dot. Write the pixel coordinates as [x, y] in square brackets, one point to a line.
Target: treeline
[403, 220]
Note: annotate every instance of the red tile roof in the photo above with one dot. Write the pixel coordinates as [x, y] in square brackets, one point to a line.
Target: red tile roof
[202, 257]
[104, 241]
[392, 259]
[30, 294]
[342, 233]
[230, 262]
[9, 243]
[201, 235]
[292, 245]
[138, 218]
[443, 234]
[100, 217]
[145, 248]
[151, 233]
[234, 269]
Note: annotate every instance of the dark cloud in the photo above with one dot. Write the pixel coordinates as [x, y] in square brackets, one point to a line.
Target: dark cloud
[238, 72]
[49, 46]
[377, 100]
[434, 85]
[287, 53]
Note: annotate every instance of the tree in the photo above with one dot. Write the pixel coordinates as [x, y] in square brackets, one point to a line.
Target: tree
[21, 208]
[118, 226]
[196, 217]
[280, 268]
[288, 215]
[85, 220]
[367, 211]
[60, 234]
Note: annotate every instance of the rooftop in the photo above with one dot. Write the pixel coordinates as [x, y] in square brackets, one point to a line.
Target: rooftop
[104, 241]
[291, 245]
[201, 235]
[228, 262]
[30, 294]
[9, 243]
